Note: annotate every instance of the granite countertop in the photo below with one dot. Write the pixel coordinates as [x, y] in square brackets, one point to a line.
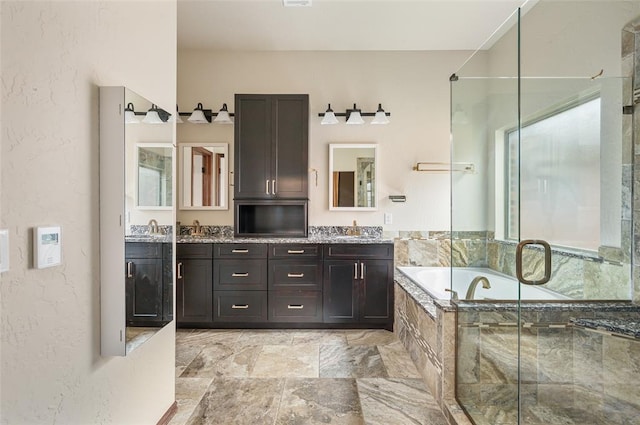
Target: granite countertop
[624, 327]
[149, 238]
[326, 239]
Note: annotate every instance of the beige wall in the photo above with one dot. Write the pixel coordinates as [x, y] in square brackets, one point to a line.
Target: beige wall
[413, 86]
[55, 55]
[567, 38]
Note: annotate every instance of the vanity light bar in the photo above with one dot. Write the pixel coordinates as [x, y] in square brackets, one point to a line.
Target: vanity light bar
[354, 116]
[203, 116]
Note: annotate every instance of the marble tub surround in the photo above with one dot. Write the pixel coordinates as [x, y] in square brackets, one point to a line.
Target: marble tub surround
[426, 328]
[298, 377]
[568, 374]
[435, 248]
[582, 276]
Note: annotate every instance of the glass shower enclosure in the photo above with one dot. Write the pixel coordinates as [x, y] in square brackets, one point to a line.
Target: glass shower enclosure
[541, 222]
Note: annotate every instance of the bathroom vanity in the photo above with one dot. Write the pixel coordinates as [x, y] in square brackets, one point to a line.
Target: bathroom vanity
[277, 283]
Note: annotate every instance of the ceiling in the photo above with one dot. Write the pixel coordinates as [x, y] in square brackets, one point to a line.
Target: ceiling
[260, 25]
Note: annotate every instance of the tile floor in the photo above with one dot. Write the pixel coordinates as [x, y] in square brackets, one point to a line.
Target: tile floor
[298, 377]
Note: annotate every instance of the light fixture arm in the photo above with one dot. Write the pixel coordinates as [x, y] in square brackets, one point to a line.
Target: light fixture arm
[348, 112]
[208, 113]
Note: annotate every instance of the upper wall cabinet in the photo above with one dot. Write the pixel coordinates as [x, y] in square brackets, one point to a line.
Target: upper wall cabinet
[271, 146]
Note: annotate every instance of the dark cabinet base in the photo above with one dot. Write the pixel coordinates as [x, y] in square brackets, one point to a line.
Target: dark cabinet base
[287, 286]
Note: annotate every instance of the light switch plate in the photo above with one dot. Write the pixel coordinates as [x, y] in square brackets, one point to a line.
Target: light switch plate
[4, 250]
[388, 218]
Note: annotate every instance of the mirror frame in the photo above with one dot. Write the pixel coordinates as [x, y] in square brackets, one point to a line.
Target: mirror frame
[137, 176]
[180, 176]
[336, 146]
[113, 223]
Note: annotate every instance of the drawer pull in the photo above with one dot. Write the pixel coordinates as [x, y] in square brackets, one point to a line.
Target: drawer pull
[295, 306]
[298, 275]
[240, 306]
[129, 267]
[240, 251]
[239, 274]
[179, 270]
[295, 251]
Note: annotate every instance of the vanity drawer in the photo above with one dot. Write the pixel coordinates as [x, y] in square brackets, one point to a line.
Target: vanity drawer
[291, 274]
[240, 306]
[294, 251]
[295, 306]
[143, 250]
[245, 275]
[194, 250]
[237, 250]
[380, 251]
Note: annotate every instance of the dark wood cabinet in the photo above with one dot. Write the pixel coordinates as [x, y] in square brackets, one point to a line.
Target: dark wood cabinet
[240, 282]
[194, 283]
[271, 146]
[284, 284]
[148, 284]
[358, 289]
[295, 283]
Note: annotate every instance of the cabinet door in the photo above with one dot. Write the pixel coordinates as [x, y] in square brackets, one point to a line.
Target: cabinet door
[339, 291]
[253, 135]
[194, 290]
[375, 291]
[290, 147]
[144, 290]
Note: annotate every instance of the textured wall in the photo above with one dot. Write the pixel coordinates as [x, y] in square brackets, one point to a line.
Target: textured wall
[55, 55]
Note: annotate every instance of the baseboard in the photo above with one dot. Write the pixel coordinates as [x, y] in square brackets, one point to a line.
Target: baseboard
[168, 415]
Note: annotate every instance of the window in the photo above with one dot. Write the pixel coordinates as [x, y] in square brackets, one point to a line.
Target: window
[556, 172]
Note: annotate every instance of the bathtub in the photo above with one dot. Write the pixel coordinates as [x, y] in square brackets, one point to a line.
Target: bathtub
[434, 280]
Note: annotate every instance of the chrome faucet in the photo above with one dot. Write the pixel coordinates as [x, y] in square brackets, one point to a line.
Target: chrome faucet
[197, 230]
[153, 227]
[454, 294]
[354, 230]
[472, 287]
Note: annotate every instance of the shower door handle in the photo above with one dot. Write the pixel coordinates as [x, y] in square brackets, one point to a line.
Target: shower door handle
[547, 261]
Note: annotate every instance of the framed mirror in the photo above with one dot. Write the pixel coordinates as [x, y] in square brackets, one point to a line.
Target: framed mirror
[203, 176]
[136, 222]
[353, 176]
[154, 177]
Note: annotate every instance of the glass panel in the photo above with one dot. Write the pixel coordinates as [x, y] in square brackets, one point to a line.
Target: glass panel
[553, 160]
[484, 105]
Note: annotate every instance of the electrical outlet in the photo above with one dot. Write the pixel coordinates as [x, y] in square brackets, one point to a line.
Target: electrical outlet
[388, 218]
